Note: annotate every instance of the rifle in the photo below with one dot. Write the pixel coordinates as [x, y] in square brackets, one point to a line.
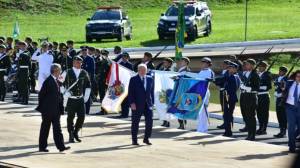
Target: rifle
[292, 68]
[273, 62]
[266, 52]
[162, 50]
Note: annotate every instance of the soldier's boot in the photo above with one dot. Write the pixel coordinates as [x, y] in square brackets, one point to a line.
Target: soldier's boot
[245, 129]
[281, 134]
[260, 130]
[75, 134]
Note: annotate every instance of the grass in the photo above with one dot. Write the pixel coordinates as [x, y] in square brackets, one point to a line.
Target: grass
[266, 21]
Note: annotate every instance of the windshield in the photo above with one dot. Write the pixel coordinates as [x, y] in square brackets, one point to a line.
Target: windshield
[106, 15]
[173, 11]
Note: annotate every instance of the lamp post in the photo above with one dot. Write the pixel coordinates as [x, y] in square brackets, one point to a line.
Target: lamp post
[246, 20]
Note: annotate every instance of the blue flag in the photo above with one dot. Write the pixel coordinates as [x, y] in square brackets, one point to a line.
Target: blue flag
[187, 98]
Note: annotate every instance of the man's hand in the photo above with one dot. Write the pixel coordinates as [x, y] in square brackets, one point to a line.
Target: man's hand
[133, 106]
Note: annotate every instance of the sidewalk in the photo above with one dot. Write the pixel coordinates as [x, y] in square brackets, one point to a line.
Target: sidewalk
[106, 143]
[216, 112]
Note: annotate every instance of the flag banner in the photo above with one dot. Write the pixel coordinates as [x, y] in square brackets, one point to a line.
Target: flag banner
[16, 30]
[163, 87]
[188, 98]
[117, 87]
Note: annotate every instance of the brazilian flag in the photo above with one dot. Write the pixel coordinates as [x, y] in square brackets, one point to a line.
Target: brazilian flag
[16, 30]
[180, 31]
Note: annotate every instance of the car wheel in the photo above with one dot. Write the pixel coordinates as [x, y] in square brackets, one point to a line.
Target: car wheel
[128, 37]
[161, 37]
[208, 29]
[121, 35]
[88, 39]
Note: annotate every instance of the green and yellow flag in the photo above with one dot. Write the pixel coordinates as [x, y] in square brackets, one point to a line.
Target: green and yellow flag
[180, 31]
[16, 30]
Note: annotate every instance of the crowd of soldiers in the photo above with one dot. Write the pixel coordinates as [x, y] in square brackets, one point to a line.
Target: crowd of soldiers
[250, 79]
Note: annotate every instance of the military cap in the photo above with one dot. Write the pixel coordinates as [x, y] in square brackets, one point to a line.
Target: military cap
[91, 48]
[251, 61]
[148, 54]
[206, 59]
[263, 64]
[45, 43]
[227, 62]
[104, 52]
[28, 39]
[283, 68]
[77, 58]
[169, 60]
[232, 64]
[1, 41]
[2, 46]
[125, 54]
[70, 42]
[55, 43]
[22, 43]
[83, 48]
[186, 59]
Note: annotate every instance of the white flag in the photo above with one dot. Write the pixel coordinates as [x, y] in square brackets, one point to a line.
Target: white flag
[118, 82]
[163, 86]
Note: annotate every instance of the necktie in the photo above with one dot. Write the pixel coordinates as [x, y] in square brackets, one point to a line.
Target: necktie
[296, 96]
[143, 81]
[57, 84]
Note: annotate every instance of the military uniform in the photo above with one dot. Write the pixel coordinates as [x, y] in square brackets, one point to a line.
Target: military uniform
[5, 65]
[75, 103]
[263, 102]
[33, 69]
[24, 65]
[89, 66]
[102, 70]
[66, 62]
[248, 100]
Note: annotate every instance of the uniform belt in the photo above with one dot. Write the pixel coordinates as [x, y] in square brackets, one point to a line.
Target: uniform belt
[222, 89]
[75, 97]
[262, 93]
[24, 66]
[2, 69]
[253, 92]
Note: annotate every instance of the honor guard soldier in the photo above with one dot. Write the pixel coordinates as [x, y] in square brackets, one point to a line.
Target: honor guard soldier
[92, 54]
[23, 65]
[71, 50]
[280, 110]
[64, 59]
[125, 105]
[220, 82]
[231, 86]
[263, 98]
[5, 65]
[118, 54]
[28, 41]
[89, 66]
[183, 68]
[55, 50]
[78, 89]
[207, 74]
[146, 60]
[248, 100]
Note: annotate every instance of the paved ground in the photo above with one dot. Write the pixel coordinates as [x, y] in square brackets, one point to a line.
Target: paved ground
[106, 143]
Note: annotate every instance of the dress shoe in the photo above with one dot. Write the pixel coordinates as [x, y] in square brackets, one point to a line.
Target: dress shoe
[43, 150]
[64, 149]
[164, 124]
[279, 135]
[250, 138]
[181, 127]
[135, 143]
[167, 124]
[221, 126]
[244, 129]
[292, 150]
[17, 100]
[261, 132]
[75, 134]
[146, 141]
[227, 134]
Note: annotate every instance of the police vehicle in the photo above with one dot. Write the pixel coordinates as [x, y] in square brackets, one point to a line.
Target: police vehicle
[107, 23]
[197, 19]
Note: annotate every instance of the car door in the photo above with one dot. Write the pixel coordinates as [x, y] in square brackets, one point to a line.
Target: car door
[126, 23]
[201, 21]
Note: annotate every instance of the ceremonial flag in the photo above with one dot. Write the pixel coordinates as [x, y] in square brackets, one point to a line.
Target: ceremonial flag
[16, 30]
[163, 87]
[188, 98]
[180, 31]
[117, 87]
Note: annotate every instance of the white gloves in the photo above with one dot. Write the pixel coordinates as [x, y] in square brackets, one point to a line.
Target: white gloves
[247, 89]
[5, 78]
[263, 88]
[87, 94]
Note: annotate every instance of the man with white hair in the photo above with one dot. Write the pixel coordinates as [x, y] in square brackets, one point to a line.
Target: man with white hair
[141, 100]
[45, 60]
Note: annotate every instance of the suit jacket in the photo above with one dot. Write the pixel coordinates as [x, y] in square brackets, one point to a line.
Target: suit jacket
[138, 95]
[50, 99]
[285, 92]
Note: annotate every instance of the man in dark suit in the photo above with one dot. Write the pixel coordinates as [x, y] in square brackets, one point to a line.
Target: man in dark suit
[141, 100]
[51, 107]
[125, 105]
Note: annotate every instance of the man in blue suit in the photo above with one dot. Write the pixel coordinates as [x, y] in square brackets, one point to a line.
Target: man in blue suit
[141, 100]
[291, 99]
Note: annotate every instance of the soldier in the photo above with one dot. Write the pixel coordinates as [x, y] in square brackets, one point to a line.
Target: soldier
[231, 86]
[34, 68]
[89, 66]
[125, 105]
[146, 60]
[23, 65]
[183, 68]
[71, 50]
[280, 111]
[103, 65]
[55, 51]
[207, 74]
[5, 65]
[78, 85]
[166, 65]
[220, 82]
[64, 59]
[28, 41]
[263, 98]
[118, 54]
[9, 44]
[92, 54]
[248, 99]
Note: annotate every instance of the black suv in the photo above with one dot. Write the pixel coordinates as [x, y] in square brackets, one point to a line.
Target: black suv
[197, 20]
[108, 23]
